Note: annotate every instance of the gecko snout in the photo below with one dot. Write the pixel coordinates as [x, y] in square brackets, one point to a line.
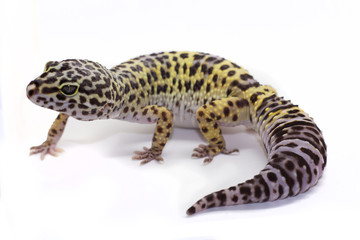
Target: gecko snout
[32, 89]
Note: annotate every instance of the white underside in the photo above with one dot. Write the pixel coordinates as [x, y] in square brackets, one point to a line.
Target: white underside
[185, 118]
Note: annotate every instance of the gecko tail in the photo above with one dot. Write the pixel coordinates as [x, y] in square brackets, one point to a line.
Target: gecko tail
[296, 152]
[287, 174]
[251, 191]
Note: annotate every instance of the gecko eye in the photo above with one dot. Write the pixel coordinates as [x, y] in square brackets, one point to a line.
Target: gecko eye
[69, 89]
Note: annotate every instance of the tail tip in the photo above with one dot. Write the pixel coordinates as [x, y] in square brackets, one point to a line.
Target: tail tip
[191, 211]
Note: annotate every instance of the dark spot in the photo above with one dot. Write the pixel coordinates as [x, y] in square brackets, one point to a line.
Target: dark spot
[292, 145]
[47, 90]
[89, 67]
[131, 98]
[215, 78]
[142, 82]
[198, 84]
[224, 67]
[153, 74]
[245, 76]
[221, 196]
[293, 111]
[127, 88]
[198, 56]
[134, 85]
[204, 130]
[193, 69]
[258, 192]
[177, 66]
[313, 156]
[96, 102]
[168, 65]
[187, 85]
[290, 165]
[245, 190]
[254, 97]
[208, 87]
[209, 198]
[299, 178]
[184, 68]
[281, 191]
[204, 68]
[231, 73]
[184, 55]
[60, 97]
[226, 111]
[272, 176]
[163, 73]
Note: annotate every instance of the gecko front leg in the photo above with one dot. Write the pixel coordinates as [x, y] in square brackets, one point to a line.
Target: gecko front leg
[162, 132]
[55, 132]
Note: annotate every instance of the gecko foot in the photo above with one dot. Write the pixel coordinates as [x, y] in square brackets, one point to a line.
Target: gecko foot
[210, 152]
[46, 148]
[148, 155]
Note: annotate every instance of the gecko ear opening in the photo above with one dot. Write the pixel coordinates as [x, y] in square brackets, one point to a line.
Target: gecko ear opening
[50, 64]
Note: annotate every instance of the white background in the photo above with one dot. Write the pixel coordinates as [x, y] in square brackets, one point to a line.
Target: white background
[307, 49]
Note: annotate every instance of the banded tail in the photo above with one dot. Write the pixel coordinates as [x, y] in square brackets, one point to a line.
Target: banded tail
[296, 152]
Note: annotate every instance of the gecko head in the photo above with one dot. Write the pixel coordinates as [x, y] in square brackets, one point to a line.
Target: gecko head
[79, 88]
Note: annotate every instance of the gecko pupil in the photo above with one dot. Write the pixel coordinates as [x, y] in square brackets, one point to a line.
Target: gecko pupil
[69, 89]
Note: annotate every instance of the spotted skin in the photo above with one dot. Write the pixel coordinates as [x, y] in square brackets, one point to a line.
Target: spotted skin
[189, 89]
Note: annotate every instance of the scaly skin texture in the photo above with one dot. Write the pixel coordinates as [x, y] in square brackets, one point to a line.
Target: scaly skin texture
[189, 89]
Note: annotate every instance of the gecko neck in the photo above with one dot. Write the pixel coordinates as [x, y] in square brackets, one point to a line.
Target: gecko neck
[129, 96]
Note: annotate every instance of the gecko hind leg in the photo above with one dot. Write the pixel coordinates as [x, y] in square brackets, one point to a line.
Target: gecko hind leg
[231, 111]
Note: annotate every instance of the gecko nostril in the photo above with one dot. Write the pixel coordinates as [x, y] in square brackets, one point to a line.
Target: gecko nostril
[32, 89]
